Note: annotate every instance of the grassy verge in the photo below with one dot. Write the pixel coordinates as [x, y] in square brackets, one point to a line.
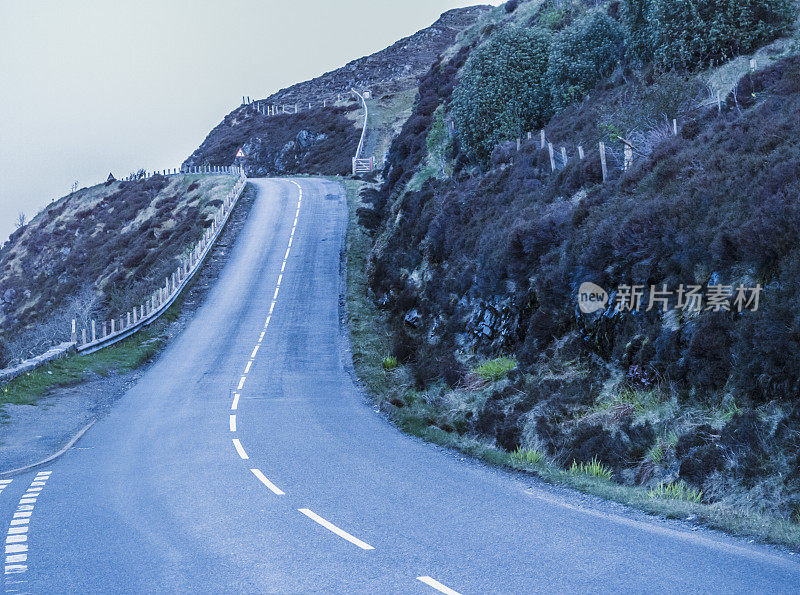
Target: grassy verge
[75, 369]
[392, 390]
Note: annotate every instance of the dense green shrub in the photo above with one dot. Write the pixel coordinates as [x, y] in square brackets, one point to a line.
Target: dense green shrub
[581, 55]
[638, 44]
[501, 93]
[692, 33]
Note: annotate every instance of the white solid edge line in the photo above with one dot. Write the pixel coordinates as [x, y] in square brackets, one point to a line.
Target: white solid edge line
[239, 449]
[272, 487]
[232, 423]
[437, 585]
[333, 528]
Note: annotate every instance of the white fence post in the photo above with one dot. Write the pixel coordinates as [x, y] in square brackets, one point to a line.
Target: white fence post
[564, 155]
[552, 157]
[94, 333]
[542, 139]
[580, 152]
[603, 160]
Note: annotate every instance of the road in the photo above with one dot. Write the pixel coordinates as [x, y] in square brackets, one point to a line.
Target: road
[228, 468]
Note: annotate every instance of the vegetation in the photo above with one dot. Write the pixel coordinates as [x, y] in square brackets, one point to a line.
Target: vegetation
[501, 91]
[582, 54]
[495, 369]
[528, 456]
[316, 141]
[593, 468]
[692, 34]
[677, 490]
[96, 253]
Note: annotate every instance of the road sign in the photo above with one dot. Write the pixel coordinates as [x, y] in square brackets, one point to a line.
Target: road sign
[240, 154]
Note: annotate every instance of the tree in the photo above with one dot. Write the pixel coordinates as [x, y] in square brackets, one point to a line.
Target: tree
[581, 55]
[502, 91]
[21, 220]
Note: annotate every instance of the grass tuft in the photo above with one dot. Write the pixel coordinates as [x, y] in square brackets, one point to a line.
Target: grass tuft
[677, 491]
[528, 456]
[390, 363]
[495, 369]
[593, 468]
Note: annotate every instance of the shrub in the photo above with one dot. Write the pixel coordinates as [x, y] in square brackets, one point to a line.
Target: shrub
[635, 18]
[390, 363]
[693, 34]
[581, 55]
[502, 91]
[495, 369]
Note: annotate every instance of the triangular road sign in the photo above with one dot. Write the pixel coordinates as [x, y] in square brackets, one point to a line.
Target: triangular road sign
[240, 154]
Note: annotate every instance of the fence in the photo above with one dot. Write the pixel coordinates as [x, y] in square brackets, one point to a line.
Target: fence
[623, 159]
[361, 165]
[265, 108]
[105, 333]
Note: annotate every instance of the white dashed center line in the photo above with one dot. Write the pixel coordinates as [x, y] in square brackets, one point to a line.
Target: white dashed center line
[232, 423]
[437, 585]
[235, 404]
[17, 536]
[333, 528]
[272, 487]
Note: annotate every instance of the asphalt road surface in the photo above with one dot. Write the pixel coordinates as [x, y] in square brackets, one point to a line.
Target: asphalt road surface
[245, 460]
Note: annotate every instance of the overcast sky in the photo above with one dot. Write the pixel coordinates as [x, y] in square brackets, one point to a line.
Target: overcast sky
[96, 86]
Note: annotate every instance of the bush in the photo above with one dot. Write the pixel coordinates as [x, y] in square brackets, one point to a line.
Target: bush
[581, 55]
[502, 91]
[693, 34]
[635, 18]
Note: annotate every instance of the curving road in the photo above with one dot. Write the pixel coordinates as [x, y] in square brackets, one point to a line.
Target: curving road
[245, 460]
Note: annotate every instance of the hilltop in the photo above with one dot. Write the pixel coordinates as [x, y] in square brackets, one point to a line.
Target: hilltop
[322, 139]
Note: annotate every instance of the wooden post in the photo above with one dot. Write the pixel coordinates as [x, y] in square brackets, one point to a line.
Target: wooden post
[530, 135]
[105, 328]
[674, 127]
[564, 155]
[74, 334]
[519, 144]
[580, 152]
[552, 157]
[542, 139]
[719, 103]
[129, 318]
[83, 336]
[94, 333]
[603, 160]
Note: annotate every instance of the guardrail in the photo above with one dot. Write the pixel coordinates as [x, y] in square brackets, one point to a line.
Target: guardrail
[99, 336]
[361, 165]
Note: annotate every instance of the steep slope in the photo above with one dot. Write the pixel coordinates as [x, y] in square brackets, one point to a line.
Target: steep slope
[99, 250]
[472, 262]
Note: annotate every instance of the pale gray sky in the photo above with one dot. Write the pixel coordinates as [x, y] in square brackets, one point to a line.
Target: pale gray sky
[98, 86]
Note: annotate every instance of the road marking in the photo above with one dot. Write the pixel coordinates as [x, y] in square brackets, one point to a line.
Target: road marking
[272, 487]
[16, 546]
[253, 356]
[247, 367]
[266, 322]
[232, 423]
[261, 338]
[437, 585]
[333, 528]
[235, 404]
[239, 448]
[241, 382]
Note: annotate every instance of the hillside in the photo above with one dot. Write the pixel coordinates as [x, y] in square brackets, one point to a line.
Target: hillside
[322, 140]
[96, 253]
[479, 251]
